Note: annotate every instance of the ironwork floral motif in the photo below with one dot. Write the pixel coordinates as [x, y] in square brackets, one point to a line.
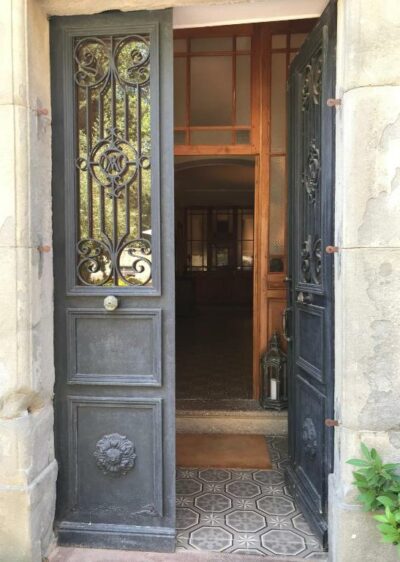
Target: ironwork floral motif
[312, 82]
[311, 173]
[115, 454]
[309, 437]
[113, 161]
[92, 62]
[311, 260]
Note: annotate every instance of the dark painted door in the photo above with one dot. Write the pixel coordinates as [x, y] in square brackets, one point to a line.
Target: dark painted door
[114, 279]
[310, 283]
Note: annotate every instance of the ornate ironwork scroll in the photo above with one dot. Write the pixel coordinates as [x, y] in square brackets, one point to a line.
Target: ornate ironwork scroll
[113, 162]
[312, 81]
[312, 171]
[311, 260]
[115, 454]
[310, 225]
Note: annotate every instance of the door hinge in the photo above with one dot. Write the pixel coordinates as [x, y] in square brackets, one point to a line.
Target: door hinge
[331, 423]
[333, 102]
[332, 249]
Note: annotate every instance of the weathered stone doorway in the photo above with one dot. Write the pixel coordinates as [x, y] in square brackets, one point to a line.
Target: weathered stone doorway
[366, 286]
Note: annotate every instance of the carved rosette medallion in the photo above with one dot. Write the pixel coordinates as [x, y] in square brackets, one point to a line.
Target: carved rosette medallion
[309, 437]
[115, 454]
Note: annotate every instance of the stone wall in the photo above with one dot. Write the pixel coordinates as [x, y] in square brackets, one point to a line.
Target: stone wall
[27, 466]
[368, 264]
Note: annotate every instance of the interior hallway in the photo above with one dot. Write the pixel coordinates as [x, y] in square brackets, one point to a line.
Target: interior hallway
[214, 354]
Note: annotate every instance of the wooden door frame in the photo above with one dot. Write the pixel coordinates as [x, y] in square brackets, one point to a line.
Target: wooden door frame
[268, 288]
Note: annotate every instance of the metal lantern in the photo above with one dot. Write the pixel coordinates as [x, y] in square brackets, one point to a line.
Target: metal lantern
[274, 376]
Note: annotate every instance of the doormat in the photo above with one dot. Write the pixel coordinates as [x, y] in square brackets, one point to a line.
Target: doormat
[217, 450]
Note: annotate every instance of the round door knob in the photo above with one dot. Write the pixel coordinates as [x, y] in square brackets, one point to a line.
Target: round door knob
[110, 303]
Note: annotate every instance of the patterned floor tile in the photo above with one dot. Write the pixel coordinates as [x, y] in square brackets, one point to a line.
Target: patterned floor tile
[243, 511]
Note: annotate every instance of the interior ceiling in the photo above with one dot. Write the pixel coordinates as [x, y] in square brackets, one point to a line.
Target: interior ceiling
[211, 176]
[245, 12]
[196, 13]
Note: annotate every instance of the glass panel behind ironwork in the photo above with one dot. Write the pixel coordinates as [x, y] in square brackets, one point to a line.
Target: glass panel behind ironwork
[113, 160]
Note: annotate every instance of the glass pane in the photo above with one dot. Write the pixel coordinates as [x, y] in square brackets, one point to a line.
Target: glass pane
[179, 137]
[243, 88]
[197, 239]
[222, 223]
[211, 137]
[113, 160]
[279, 41]
[211, 91]
[243, 43]
[220, 257]
[247, 254]
[180, 91]
[277, 207]
[278, 102]
[180, 45]
[198, 258]
[210, 44]
[197, 227]
[242, 137]
[245, 239]
[297, 39]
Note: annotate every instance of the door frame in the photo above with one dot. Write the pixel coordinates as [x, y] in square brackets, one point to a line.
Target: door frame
[269, 290]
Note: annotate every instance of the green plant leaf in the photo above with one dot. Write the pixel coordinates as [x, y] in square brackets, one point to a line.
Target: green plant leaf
[380, 518]
[357, 462]
[365, 451]
[385, 528]
[386, 501]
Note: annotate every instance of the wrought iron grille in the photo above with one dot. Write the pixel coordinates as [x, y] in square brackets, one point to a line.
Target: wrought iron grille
[311, 249]
[113, 160]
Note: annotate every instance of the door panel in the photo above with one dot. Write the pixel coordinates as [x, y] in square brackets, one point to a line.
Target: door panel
[114, 280]
[310, 281]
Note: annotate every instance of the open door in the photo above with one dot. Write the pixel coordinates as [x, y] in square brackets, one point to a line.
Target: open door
[310, 283]
[114, 279]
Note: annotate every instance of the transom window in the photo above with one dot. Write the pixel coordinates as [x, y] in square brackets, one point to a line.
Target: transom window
[213, 89]
[219, 238]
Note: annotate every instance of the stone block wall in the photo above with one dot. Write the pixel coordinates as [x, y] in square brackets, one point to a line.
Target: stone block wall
[27, 465]
[367, 324]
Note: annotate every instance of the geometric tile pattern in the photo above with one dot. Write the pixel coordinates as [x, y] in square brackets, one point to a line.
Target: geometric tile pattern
[243, 511]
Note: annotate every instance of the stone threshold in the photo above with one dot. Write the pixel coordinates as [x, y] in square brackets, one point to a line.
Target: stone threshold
[74, 554]
[231, 404]
[261, 422]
